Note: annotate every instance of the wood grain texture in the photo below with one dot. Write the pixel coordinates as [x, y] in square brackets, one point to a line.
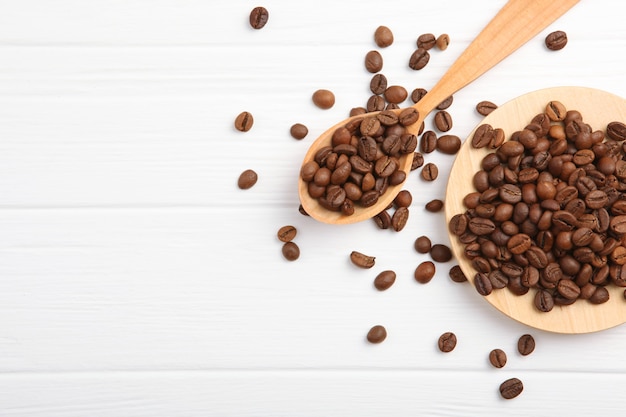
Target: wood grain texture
[136, 279]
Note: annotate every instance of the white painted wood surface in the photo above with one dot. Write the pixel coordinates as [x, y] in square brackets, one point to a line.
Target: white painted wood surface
[136, 279]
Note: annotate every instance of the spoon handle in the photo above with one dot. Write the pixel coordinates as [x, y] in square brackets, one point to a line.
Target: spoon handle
[516, 23]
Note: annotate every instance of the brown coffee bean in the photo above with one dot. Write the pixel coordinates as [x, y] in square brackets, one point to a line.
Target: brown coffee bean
[426, 41]
[519, 243]
[456, 274]
[483, 284]
[383, 36]
[442, 41]
[424, 272]
[511, 388]
[419, 59]
[384, 280]
[395, 94]
[299, 131]
[244, 121]
[434, 206]
[422, 244]
[616, 131]
[417, 94]
[526, 344]
[378, 84]
[485, 107]
[408, 116]
[287, 233]
[375, 103]
[440, 253]
[447, 342]
[483, 136]
[430, 172]
[443, 121]
[447, 102]
[449, 144]
[497, 358]
[259, 17]
[291, 251]
[361, 260]
[403, 199]
[373, 61]
[377, 334]
[556, 40]
[399, 218]
[247, 179]
[324, 99]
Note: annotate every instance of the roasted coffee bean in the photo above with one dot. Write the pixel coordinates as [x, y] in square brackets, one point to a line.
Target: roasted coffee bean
[417, 94]
[497, 358]
[430, 172]
[434, 206]
[544, 301]
[526, 344]
[443, 121]
[440, 253]
[384, 280]
[408, 116]
[361, 260]
[299, 131]
[395, 94]
[447, 342]
[483, 136]
[422, 244]
[449, 144]
[456, 274]
[324, 99]
[511, 388]
[291, 251]
[287, 233]
[426, 41]
[259, 17]
[447, 102]
[373, 61]
[424, 272]
[428, 142]
[555, 110]
[481, 226]
[378, 84]
[442, 41]
[244, 121]
[377, 334]
[383, 36]
[419, 59]
[485, 107]
[556, 40]
[375, 103]
[399, 218]
[568, 289]
[599, 296]
[247, 179]
[383, 220]
[403, 199]
[616, 131]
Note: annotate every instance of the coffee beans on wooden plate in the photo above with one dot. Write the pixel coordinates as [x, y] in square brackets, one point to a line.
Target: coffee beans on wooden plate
[547, 213]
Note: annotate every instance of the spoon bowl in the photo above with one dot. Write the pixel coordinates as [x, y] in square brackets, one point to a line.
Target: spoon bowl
[598, 108]
[516, 23]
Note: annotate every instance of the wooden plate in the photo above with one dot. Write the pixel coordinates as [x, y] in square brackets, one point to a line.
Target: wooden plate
[598, 108]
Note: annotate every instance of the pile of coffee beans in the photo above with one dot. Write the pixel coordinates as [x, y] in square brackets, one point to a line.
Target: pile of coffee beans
[548, 213]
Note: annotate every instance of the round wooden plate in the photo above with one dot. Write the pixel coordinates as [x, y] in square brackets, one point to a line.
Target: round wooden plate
[598, 108]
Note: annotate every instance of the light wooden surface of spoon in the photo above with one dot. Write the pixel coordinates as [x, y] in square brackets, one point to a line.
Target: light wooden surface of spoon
[517, 22]
[598, 108]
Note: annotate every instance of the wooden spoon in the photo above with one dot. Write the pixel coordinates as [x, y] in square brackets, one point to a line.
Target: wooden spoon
[598, 108]
[516, 23]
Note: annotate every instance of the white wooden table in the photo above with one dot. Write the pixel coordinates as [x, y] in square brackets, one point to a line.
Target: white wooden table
[136, 279]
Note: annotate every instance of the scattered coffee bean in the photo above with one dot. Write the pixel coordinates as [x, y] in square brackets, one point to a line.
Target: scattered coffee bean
[485, 107]
[417, 94]
[377, 334]
[424, 272]
[556, 40]
[324, 99]
[247, 179]
[244, 121]
[447, 342]
[403, 199]
[422, 244]
[287, 233]
[426, 41]
[361, 260]
[378, 84]
[456, 274]
[443, 121]
[299, 131]
[399, 218]
[383, 36]
[526, 344]
[448, 144]
[291, 251]
[419, 59]
[384, 280]
[511, 388]
[395, 94]
[428, 142]
[443, 41]
[430, 172]
[258, 17]
[440, 253]
[383, 220]
[434, 206]
[373, 61]
[497, 358]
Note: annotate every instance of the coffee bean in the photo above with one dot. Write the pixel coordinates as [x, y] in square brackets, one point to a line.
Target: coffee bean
[384, 280]
[526, 344]
[361, 260]
[430, 172]
[378, 84]
[395, 94]
[616, 131]
[417, 94]
[399, 218]
[383, 220]
[377, 334]
[483, 284]
[324, 99]
[434, 206]
[443, 121]
[424, 272]
[485, 107]
[497, 358]
[383, 36]
[456, 274]
[299, 131]
[403, 199]
[442, 41]
[419, 59]
[291, 251]
[418, 161]
[259, 17]
[447, 342]
[556, 40]
[244, 121]
[426, 41]
[247, 179]
[287, 233]
[511, 388]
[373, 61]
[440, 253]
[449, 144]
